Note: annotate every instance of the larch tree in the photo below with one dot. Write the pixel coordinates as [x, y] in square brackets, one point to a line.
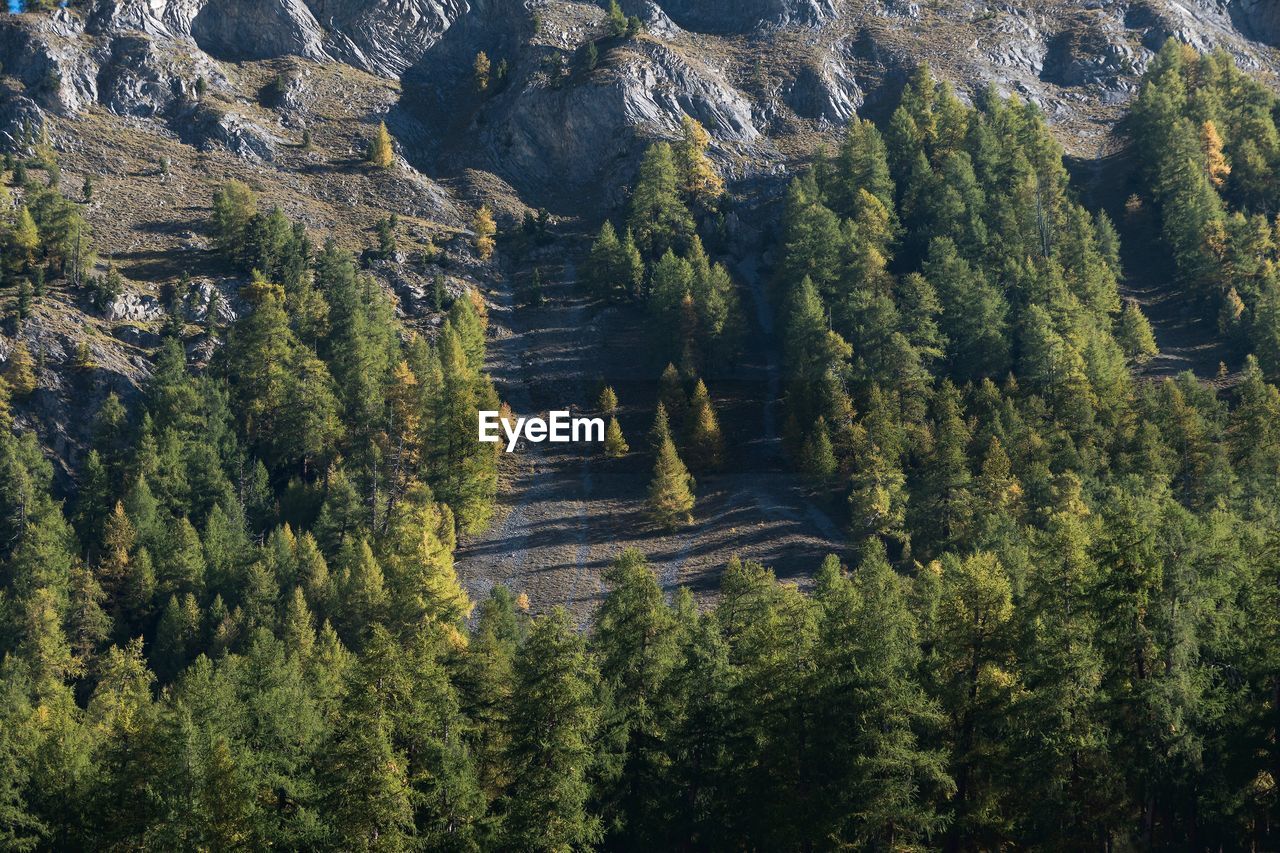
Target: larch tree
[615, 443]
[380, 152]
[698, 178]
[553, 728]
[658, 218]
[671, 489]
[483, 228]
[878, 776]
[704, 444]
[19, 371]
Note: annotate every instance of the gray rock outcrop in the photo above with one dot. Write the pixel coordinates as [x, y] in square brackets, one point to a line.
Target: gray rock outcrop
[736, 16]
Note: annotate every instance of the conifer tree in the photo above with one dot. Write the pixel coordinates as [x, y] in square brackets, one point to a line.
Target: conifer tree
[363, 590]
[234, 207]
[670, 285]
[661, 429]
[470, 325]
[380, 152]
[1066, 759]
[604, 266]
[553, 724]
[364, 778]
[973, 311]
[1134, 334]
[608, 401]
[768, 629]
[635, 640]
[615, 444]
[24, 237]
[419, 564]
[698, 178]
[861, 165]
[617, 20]
[945, 499]
[484, 229]
[176, 636]
[704, 444]
[975, 611]
[879, 782]
[118, 537]
[88, 624]
[19, 371]
[817, 459]
[631, 266]
[671, 489]
[1215, 164]
[658, 219]
[671, 394]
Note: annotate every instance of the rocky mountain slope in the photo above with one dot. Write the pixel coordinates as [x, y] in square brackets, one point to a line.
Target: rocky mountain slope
[763, 76]
[156, 101]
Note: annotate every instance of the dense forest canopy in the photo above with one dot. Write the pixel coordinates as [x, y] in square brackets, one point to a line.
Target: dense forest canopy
[1061, 629]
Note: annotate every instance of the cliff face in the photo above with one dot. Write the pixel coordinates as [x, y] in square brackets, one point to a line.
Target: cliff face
[755, 72]
[740, 16]
[1258, 18]
[379, 36]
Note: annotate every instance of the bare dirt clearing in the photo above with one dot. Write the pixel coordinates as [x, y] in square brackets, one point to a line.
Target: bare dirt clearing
[565, 511]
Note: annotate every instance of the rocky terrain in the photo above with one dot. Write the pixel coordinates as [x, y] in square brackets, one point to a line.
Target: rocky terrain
[157, 101]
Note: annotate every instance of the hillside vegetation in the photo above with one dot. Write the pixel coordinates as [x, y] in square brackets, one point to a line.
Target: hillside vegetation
[1049, 621]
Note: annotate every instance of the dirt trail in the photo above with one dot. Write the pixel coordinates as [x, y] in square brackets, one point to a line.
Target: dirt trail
[565, 511]
[1186, 333]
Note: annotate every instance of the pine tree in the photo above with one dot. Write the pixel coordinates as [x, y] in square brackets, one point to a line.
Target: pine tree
[1134, 334]
[24, 237]
[631, 269]
[1215, 163]
[553, 728]
[416, 556]
[483, 227]
[861, 165]
[19, 371]
[88, 624]
[380, 152]
[176, 636]
[605, 271]
[670, 285]
[768, 629]
[364, 779]
[975, 612]
[973, 311]
[118, 539]
[671, 490]
[945, 505]
[878, 776]
[698, 178]
[635, 640]
[617, 20]
[615, 444]
[704, 444]
[675, 403]
[234, 207]
[817, 459]
[608, 401]
[363, 590]
[658, 219]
